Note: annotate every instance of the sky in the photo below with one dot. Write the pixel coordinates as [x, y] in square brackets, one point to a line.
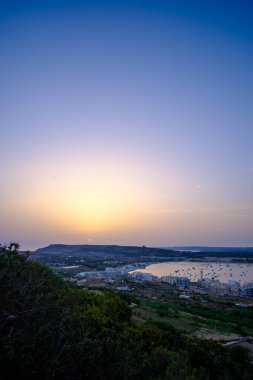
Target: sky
[126, 122]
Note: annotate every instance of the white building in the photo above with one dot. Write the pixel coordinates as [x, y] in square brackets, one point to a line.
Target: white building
[143, 276]
[178, 281]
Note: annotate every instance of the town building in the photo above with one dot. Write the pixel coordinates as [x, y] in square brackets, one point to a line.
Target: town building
[143, 276]
[178, 281]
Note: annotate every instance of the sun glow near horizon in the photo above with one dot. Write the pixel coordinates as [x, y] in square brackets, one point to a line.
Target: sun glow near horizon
[94, 199]
[117, 199]
[128, 124]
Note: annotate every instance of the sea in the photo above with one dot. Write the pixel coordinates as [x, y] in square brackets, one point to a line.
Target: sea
[224, 272]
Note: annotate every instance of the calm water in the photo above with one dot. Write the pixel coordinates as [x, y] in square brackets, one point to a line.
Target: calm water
[223, 272]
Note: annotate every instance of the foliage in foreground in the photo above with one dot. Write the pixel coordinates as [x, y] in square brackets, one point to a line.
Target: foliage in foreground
[50, 329]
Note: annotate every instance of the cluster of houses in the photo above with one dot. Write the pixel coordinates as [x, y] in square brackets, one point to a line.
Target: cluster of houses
[173, 280]
[231, 288]
[112, 272]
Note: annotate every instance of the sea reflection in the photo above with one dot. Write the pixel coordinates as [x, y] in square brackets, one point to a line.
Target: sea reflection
[223, 272]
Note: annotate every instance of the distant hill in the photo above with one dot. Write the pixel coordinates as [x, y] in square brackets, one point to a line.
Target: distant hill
[102, 250]
[144, 254]
[211, 249]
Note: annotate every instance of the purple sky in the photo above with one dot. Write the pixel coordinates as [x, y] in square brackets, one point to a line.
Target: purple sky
[126, 122]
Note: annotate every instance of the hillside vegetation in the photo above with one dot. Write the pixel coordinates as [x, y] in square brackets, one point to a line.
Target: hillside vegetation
[50, 329]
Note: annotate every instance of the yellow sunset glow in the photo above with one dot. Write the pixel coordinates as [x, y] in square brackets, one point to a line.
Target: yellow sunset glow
[92, 207]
